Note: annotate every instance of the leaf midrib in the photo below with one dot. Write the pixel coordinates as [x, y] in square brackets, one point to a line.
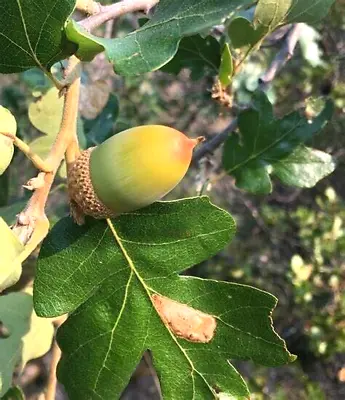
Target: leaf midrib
[148, 291]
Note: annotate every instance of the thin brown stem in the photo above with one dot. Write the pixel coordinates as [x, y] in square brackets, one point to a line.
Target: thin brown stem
[283, 56]
[89, 7]
[113, 11]
[35, 209]
[56, 355]
[35, 158]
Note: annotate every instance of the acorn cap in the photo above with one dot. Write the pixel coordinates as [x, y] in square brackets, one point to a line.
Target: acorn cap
[83, 199]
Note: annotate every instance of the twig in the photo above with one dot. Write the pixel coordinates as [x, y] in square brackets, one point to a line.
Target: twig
[35, 209]
[283, 56]
[113, 11]
[52, 380]
[35, 158]
[89, 7]
[216, 141]
[56, 355]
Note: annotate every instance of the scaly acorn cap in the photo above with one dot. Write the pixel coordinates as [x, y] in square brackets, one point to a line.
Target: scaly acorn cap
[130, 170]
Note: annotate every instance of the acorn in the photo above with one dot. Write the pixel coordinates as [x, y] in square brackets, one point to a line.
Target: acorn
[8, 124]
[128, 171]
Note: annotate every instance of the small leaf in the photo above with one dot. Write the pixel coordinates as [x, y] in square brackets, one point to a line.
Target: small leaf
[242, 33]
[304, 167]
[8, 124]
[107, 277]
[10, 249]
[46, 113]
[31, 33]
[157, 41]
[272, 13]
[42, 145]
[226, 67]
[272, 146]
[200, 55]
[29, 336]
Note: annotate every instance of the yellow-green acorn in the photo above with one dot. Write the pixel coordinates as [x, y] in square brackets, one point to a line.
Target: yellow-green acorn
[8, 124]
[129, 171]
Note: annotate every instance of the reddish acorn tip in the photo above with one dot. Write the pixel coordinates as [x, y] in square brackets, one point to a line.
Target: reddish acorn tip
[198, 140]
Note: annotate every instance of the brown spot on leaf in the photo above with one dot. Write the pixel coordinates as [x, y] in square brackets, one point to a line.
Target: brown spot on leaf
[184, 321]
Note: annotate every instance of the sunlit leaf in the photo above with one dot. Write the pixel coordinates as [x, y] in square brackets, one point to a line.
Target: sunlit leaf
[28, 337]
[157, 41]
[10, 249]
[226, 67]
[45, 114]
[8, 124]
[272, 13]
[109, 278]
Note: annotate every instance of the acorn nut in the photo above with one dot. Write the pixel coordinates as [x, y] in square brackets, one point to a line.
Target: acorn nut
[128, 171]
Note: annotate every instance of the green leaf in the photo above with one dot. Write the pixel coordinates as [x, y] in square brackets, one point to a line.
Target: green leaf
[304, 167]
[106, 276]
[200, 55]
[29, 336]
[45, 114]
[8, 124]
[14, 393]
[273, 146]
[242, 33]
[36, 79]
[10, 249]
[31, 33]
[88, 46]
[226, 67]
[42, 145]
[272, 13]
[155, 43]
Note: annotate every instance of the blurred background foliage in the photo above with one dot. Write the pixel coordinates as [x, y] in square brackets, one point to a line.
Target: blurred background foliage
[290, 243]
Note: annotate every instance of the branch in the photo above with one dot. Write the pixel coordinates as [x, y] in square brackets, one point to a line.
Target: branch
[56, 355]
[89, 7]
[113, 11]
[35, 158]
[34, 213]
[283, 56]
[216, 141]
